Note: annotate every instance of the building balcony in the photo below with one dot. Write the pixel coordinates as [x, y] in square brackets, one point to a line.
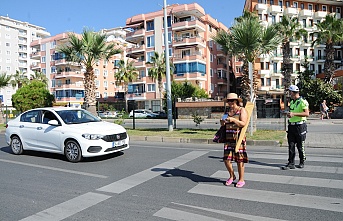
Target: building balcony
[337, 15]
[35, 66]
[78, 86]
[136, 96]
[275, 9]
[191, 57]
[276, 57]
[193, 24]
[320, 14]
[261, 7]
[222, 81]
[196, 41]
[136, 49]
[69, 74]
[264, 73]
[193, 76]
[291, 11]
[136, 35]
[222, 66]
[140, 63]
[276, 74]
[36, 55]
[23, 57]
[305, 13]
[69, 99]
[320, 58]
[60, 62]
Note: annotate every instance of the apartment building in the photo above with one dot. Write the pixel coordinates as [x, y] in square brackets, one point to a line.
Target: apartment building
[15, 39]
[309, 13]
[66, 78]
[195, 56]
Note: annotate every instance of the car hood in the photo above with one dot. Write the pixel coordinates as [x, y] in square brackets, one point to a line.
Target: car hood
[101, 127]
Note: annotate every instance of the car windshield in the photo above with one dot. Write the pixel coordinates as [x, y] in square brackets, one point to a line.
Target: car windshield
[78, 116]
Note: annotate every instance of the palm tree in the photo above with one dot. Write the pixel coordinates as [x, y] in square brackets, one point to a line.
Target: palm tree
[330, 32]
[4, 81]
[19, 79]
[126, 73]
[248, 39]
[40, 77]
[158, 70]
[289, 29]
[86, 50]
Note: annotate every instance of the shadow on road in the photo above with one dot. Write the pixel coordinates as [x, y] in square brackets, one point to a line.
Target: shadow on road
[187, 174]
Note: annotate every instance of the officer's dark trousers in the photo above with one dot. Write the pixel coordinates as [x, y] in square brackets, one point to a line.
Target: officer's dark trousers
[296, 135]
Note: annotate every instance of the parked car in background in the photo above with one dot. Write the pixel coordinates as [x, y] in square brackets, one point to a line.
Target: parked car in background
[161, 114]
[73, 132]
[142, 113]
[107, 114]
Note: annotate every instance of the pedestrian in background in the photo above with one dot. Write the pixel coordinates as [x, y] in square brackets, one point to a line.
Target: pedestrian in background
[324, 110]
[297, 128]
[234, 119]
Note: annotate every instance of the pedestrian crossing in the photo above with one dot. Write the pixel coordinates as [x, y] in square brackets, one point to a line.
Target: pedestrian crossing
[265, 173]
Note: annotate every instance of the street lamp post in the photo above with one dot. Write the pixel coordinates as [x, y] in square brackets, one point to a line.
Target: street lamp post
[166, 44]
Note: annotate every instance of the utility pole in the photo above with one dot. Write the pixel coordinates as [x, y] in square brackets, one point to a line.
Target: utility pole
[166, 46]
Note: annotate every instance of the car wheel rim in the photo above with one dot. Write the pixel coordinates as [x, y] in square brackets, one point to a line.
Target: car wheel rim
[16, 145]
[72, 151]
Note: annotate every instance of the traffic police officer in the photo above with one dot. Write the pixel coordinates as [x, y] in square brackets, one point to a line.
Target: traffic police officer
[297, 128]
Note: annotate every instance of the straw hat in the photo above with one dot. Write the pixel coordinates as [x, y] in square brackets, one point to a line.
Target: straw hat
[233, 96]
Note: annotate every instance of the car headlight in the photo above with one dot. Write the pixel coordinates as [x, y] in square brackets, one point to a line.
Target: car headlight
[92, 136]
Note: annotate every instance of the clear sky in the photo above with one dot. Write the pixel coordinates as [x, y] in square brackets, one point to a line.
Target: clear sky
[73, 15]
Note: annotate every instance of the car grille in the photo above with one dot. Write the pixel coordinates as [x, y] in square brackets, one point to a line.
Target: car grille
[115, 137]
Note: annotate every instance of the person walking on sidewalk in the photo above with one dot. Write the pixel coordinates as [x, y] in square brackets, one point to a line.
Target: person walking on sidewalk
[324, 110]
[234, 120]
[297, 128]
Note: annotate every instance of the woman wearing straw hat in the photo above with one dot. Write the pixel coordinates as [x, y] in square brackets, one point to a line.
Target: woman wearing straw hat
[234, 119]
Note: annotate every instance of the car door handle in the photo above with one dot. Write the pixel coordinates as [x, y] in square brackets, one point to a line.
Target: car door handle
[39, 128]
[21, 126]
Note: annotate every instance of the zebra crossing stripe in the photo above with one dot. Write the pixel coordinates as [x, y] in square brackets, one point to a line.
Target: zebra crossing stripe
[174, 214]
[282, 198]
[304, 181]
[308, 168]
[68, 208]
[145, 175]
[284, 157]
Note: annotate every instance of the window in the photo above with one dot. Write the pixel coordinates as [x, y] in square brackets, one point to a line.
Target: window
[151, 88]
[168, 21]
[8, 60]
[105, 95]
[297, 67]
[211, 57]
[150, 41]
[53, 69]
[280, 3]
[169, 38]
[105, 73]
[262, 81]
[295, 4]
[43, 70]
[273, 19]
[186, 53]
[302, 6]
[43, 59]
[338, 10]
[149, 55]
[150, 25]
[304, 23]
[42, 47]
[96, 72]
[8, 44]
[275, 67]
[105, 84]
[324, 8]
[287, 4]
[268, 81]
[142, 73]
[310, 7]
[305, 52]
[211, 72]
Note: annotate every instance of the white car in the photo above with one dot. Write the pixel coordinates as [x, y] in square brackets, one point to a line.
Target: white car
[76, 133]
[141, 113]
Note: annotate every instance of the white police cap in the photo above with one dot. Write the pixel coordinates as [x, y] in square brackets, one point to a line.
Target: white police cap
[293, 88]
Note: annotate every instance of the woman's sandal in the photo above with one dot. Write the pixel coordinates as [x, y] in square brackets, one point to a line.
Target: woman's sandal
[229, 181]
[240, 184]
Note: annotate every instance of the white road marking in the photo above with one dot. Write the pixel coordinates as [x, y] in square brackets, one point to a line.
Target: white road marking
[55, 169]
[304, 181]
[145, 175]
[290, 199]
[68, 208]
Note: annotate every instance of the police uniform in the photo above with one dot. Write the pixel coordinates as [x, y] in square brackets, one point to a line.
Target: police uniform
[297, 130]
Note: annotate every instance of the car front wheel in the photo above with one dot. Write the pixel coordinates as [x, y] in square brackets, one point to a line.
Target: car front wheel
[16, 145]
[72, 151]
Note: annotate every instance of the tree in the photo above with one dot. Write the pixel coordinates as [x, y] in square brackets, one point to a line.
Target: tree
[329, 32]
[87, 50]
[126, 73]
[158, 69]
[19, 79]
[316, 90]
[248, 39]
[32, 95]
[4, 81]
[40, 77]
[289, 29]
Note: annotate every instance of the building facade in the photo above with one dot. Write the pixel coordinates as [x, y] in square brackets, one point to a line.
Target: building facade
[15, 50]
[309, 13]
[66, 78]
[194, 55]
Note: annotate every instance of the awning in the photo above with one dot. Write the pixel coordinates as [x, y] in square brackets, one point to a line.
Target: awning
[134, 25]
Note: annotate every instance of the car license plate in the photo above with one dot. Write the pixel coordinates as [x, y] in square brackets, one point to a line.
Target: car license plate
[118, 143]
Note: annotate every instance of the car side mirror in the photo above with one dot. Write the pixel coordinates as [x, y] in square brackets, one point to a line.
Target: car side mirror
[53, 122]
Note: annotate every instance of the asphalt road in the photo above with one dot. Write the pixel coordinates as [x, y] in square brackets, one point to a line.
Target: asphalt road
[154, 181]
